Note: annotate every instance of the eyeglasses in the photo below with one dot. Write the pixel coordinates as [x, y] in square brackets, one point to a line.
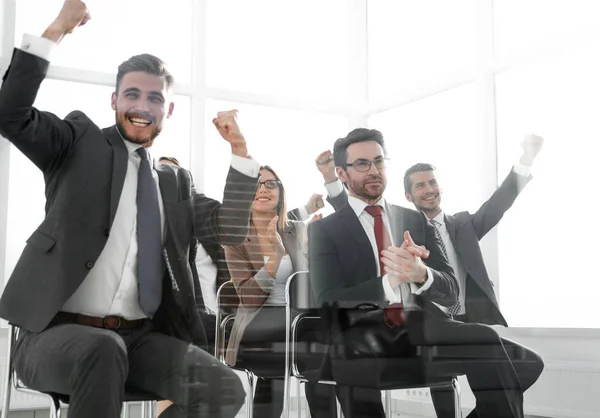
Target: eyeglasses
[269, 184]
[363, 165]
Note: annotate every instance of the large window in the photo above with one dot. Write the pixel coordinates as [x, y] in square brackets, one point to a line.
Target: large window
[118, 30]
[412, 45]
[279, 48]
[440, 130]
[556, 97]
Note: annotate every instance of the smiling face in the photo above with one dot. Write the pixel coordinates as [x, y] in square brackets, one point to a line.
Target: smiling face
[266, 199]
[425, 192]
[141, 107]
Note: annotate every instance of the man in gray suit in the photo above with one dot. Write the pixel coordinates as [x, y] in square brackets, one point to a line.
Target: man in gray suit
[460, 234]
[103, 293]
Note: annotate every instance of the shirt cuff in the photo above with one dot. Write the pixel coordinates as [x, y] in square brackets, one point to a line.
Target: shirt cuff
[390, 294]
[38, 46]
[334, 189]
[247, 166]
[264, 280]
[303, 213]
[417, 290]
[522, 169]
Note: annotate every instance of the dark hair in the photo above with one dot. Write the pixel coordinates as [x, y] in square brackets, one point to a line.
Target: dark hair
[417, 168]
[340, 148]
[146, 63]
[282, 204]
[172, 160]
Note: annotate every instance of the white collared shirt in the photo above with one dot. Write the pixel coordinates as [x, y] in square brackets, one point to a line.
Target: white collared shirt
[111, 286]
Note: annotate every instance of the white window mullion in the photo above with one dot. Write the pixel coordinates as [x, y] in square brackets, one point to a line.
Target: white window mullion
[198, 146]
[358, 63]
[7, 34]
[488, 152]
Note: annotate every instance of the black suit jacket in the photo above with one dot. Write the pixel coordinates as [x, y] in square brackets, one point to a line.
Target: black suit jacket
[84, 169]
[344, 270]
[466, 230]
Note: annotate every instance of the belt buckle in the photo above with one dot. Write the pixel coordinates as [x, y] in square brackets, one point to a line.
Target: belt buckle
[108, 322]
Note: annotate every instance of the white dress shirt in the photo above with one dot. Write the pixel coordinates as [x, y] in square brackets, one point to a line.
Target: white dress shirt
[207, 275]
[111, 286]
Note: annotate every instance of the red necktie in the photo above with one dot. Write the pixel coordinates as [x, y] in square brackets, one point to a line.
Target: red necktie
[394, 314]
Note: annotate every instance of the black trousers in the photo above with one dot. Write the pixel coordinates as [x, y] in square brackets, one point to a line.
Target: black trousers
[527, 364]
[95, 366]
[498, 370]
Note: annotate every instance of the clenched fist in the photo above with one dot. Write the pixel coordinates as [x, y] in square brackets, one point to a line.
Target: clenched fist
[532, 145]
[226, 124]
[73, 14]
[314, 203]
[326, 166]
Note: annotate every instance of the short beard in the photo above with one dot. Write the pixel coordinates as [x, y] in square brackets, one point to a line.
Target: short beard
[362, 192]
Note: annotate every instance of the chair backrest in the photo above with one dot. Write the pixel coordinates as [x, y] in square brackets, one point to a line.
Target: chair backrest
[299, 293]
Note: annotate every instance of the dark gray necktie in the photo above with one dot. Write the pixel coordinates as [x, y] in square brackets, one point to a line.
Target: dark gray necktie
[454, 309]
[150, 265]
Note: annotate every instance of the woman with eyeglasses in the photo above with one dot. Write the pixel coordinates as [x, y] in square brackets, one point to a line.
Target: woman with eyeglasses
[259, 269]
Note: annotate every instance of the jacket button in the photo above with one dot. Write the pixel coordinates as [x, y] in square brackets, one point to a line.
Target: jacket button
[106, 232]
[89, 264]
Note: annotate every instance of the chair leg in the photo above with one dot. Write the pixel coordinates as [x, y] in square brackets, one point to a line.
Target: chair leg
[388, 403]
[250, 398]
[8, 373]
[299, 387]
[6, 392]
[457, 404]
[145, 410]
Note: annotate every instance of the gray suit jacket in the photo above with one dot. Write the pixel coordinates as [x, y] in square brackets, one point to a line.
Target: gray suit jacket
[84, 170]
[466, 230]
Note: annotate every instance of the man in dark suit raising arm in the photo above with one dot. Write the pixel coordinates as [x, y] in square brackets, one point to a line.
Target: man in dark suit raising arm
[370, 251]
[103, 293]
[460, 233]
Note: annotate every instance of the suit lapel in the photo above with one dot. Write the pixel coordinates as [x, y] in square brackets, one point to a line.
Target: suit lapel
[396, 224]
[119, 168]
[466, 261]
[168, 191]
[398, 227]
[451, 227]
[353, 230]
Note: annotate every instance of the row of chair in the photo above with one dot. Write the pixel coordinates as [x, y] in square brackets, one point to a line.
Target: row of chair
[300, 309]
